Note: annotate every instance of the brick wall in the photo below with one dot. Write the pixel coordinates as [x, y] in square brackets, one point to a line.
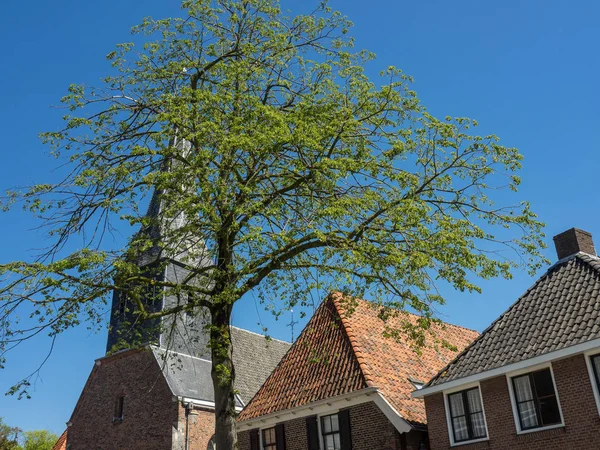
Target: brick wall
[369, 427]
[201, 427]
[582, 422]
[149, 411]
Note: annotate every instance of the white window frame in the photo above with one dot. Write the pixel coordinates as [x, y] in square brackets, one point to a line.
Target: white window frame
[588, 361]
[449, 416]
[513, 400]
[328, 413]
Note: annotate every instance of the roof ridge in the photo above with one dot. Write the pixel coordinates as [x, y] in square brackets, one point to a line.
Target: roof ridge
[403, 311]
[269, 338]
[356, 347]
[283, 358]
[545, 275]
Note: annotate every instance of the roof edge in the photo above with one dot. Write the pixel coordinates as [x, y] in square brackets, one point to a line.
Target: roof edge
[497, 319]
[310, 409]
[335, 297]
[392, 414]
[266, 337]
[530, 362]
[283, 358]
[548, 271]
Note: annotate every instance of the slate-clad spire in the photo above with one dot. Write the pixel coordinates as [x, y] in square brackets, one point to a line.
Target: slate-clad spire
[185, 332]
[162, 227]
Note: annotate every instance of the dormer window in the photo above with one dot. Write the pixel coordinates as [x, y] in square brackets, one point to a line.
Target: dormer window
[417, 384]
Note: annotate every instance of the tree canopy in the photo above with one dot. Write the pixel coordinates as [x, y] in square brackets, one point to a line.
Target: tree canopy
[298, 172]
[38, 440]
[8, 436]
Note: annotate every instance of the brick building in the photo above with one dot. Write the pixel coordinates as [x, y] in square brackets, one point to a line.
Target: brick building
[151, 398]
[153, 389]
[531, 380]
[345, 385]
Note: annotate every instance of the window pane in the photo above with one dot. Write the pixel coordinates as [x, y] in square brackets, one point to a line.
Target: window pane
[549, 411]
[461, 432]
[335, 426]
[543, 383]
[474, 401]
[523, 390]
[326, 424]
[596, 364]
[456, 404]
[478, 425]
[269, 438]
[528, 415]
[329, 442]
[336, 440]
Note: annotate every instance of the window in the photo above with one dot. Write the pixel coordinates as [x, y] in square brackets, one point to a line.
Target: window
[269, 439]
[535, 398]
[596, 369]
[119, 408]
[330, 430]
[466, 415]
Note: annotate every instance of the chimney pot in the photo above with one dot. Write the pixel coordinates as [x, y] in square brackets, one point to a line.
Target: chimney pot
[574, 241]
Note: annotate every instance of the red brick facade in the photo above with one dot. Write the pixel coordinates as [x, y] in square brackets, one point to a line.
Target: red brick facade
[153, 418]
[579, 410]
[149, 410]
[369, 427]
[201, 427]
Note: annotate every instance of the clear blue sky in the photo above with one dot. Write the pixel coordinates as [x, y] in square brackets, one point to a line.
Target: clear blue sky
[528, 71]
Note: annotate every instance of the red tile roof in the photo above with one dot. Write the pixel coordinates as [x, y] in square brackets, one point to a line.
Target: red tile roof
[343, 349]
[61, 444]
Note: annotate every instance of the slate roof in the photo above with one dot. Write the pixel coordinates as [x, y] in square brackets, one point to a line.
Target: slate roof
[561, 309]
[254, 358]
[341, 351]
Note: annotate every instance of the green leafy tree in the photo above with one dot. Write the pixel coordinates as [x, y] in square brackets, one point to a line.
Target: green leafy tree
[297, 172]
[38, 440]
[8, 437]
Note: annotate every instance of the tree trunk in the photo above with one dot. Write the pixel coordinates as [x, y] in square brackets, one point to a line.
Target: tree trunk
[223, 376]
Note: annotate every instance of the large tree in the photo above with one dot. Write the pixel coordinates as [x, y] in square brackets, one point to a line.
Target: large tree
[299, 172]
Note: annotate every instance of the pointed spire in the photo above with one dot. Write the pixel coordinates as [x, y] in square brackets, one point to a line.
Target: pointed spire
[190, 249]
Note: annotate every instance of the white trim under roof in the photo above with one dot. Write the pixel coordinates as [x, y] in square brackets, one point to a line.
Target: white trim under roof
[537, 360]
[202, 403]
[330, 405]
[392, 415]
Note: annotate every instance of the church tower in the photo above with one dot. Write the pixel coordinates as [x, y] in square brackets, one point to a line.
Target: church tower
[182, 333]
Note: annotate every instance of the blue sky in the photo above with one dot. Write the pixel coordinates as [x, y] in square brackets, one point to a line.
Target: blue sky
[527, 71]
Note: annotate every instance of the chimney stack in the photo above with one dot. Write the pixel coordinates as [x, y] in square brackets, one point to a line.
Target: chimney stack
[574, 241]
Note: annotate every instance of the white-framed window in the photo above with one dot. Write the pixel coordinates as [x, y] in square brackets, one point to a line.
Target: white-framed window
[593, 363]
[269, 439]
[330, 432]
[465, 415]
[534, 400]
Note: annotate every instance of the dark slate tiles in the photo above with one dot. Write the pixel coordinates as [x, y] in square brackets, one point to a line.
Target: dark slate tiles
[560, 310]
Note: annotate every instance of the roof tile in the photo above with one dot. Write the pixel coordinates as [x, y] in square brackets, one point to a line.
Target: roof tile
[561, 309]
[343, 349]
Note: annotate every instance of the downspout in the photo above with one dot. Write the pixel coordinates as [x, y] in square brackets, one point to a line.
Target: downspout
[188, 409]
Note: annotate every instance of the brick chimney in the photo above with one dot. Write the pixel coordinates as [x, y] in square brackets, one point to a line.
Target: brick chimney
[574, 241]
